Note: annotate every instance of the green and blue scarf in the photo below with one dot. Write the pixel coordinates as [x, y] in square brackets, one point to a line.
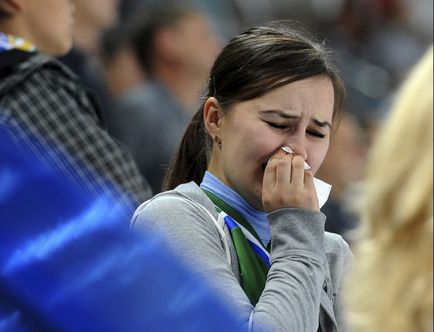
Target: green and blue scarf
[253, 258]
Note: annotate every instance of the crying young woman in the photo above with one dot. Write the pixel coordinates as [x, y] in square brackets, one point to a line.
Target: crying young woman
[242, 206]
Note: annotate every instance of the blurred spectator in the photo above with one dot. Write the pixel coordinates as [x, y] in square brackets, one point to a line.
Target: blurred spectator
[176, 46]
[91, 18]
[392, 34]
[394, 265]
[42, 103]
[225, 15]
[122, 69]
[343, 167]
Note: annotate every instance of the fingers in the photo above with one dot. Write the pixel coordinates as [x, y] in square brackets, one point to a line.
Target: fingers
[269, 181]
[297, 176]
[287, 184]
[308, 180]
[276, 177]
[283, 169]
[310, 187]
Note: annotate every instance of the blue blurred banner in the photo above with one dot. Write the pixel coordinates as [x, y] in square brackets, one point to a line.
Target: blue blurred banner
[68, 261]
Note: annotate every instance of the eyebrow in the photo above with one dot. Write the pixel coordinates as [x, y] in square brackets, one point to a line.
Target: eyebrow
[291, 116]
[281, 114]
[322, 123]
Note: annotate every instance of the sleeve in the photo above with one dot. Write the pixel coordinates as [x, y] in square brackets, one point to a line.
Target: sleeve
[291, 298]
[340, 260]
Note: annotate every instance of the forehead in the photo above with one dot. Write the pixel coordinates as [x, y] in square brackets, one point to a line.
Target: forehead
[308, 98]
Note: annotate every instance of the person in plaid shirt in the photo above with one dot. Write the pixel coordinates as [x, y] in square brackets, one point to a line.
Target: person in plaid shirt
[46, 107]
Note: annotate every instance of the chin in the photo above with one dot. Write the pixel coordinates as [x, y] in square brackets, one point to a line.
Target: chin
[257, 203]
[58, 50]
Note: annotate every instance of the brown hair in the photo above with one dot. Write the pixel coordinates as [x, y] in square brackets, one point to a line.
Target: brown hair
[4, 14]
[253, 63]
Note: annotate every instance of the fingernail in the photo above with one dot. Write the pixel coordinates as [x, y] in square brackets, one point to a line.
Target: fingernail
[287, 149]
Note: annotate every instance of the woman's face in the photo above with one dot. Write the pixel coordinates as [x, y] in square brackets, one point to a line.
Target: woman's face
[298, 115]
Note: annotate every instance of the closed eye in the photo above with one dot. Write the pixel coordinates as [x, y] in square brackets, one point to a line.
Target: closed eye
[316, 134]
[277, 125]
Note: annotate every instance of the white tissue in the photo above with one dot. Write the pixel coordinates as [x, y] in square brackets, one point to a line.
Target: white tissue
[322, 188]
[322, 191]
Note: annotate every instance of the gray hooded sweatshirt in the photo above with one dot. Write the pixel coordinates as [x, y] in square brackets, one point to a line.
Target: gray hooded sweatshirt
[307, 264]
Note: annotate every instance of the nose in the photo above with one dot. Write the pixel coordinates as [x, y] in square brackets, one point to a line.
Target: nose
[298, 144]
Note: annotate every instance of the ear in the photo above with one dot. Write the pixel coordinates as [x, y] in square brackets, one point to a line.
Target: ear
[11, 7]
[212, 114]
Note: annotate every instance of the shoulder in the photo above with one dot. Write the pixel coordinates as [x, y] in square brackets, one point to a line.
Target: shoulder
[141, 106]
[46, 77]
[42, 73]
[46, 66]
[139, 96]
[183, 216]
[59, 79]
[46, 72]
[36, 73]
[146, 95]
[186, 202]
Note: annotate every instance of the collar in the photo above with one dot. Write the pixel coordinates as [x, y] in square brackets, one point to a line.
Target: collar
[258, 219]
[10, 42]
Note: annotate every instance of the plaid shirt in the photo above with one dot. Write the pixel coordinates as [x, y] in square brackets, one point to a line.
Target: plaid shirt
[41, 100]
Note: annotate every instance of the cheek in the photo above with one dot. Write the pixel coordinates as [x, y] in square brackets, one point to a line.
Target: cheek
[249, 143]
[261, 147]
[317, 155]
[247, 153]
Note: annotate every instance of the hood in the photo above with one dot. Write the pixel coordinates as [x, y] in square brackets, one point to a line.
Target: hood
[189, 191]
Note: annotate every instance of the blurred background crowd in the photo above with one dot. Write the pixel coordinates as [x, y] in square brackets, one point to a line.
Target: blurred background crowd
[149, 60]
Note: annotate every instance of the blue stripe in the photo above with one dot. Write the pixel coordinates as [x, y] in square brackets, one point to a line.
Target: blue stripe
[256, 249]
[230, 222]
[260, 252]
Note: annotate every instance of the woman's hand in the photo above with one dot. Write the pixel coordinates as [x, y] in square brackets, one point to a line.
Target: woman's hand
[287, 184]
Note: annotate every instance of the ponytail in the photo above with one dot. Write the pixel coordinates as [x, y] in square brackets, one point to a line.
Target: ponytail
[190, 161]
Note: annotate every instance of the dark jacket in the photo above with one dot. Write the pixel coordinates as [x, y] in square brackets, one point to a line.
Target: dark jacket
[43, 101]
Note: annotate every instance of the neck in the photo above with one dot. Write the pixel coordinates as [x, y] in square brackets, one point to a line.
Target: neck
[237, 205]
[86, 37]
[15, 27]
[185, 87]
